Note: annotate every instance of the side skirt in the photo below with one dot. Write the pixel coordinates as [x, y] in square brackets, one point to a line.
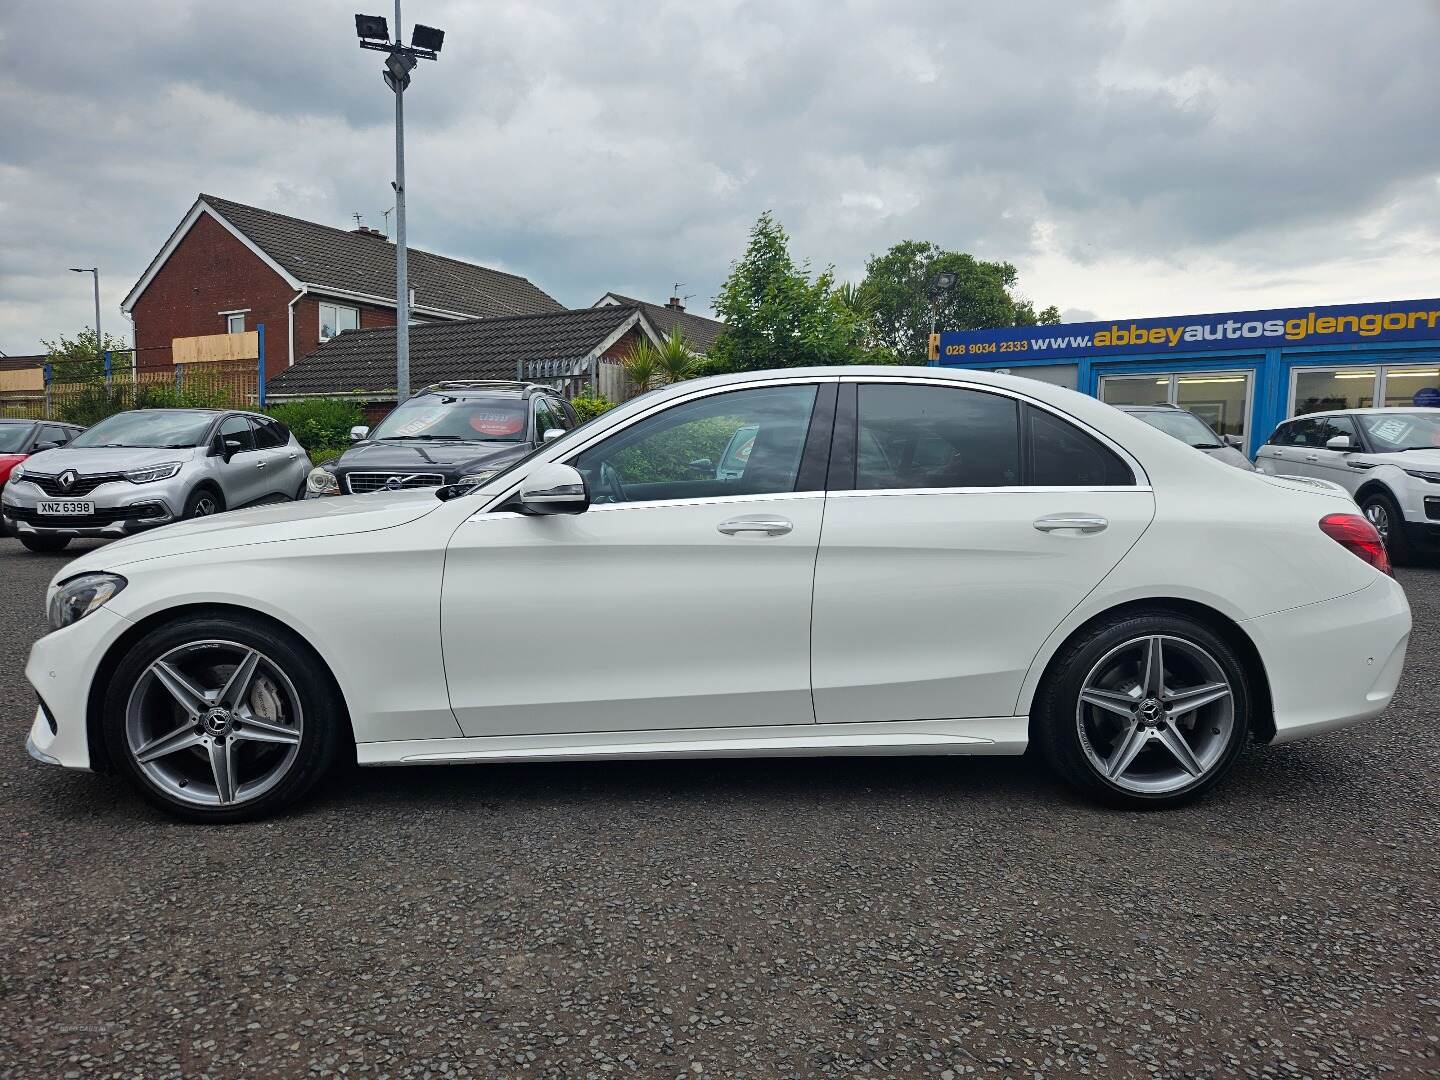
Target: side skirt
[984, 735]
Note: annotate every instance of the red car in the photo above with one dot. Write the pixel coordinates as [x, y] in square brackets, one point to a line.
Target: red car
[21, 438]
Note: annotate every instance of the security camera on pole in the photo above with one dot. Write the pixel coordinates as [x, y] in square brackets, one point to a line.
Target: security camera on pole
[425, 44]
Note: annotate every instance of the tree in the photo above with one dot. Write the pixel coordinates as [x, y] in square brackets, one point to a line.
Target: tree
[677, 362]
[642, 365]
[901, 311]
[78, 359]
[775, 315]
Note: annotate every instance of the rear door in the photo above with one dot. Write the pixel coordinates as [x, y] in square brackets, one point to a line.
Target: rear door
[1284, 452]
[961, 527]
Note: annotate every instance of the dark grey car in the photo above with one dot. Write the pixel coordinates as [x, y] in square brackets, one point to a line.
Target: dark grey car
[1181, 424]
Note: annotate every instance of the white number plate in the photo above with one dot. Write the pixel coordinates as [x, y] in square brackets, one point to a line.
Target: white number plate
[68, 508]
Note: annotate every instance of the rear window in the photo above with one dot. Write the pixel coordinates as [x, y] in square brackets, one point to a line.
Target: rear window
[1061, 455]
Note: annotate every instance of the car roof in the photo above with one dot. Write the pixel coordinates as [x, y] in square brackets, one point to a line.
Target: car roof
[1378, 411]
[1159, 406]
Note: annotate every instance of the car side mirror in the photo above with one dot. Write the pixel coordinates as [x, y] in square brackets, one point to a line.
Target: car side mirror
[358, 432]
[48, 446]
[701, 467]
[230, 447]
[1339, 442]
[554, 488]
[1233, 440]
[551, 434]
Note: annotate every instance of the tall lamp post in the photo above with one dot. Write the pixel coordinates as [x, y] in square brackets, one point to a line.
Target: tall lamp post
[425, 44]
[940, 284]
[99, 338]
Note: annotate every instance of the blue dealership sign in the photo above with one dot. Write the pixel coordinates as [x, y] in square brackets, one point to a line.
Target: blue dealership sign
[1427, 398]
[1392, 320]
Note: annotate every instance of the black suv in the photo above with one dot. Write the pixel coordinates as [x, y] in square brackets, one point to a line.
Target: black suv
[449, 433]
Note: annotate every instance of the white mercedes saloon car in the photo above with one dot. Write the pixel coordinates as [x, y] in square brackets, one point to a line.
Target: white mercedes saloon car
[818, 561]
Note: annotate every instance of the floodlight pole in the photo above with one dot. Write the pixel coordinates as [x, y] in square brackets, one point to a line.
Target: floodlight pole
[402, 284]
[99, 338]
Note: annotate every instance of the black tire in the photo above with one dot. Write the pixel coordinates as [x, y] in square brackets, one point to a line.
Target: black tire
[203, 502]
[44, 544]
[1055, 724]
[320, 737]
[1381, 510]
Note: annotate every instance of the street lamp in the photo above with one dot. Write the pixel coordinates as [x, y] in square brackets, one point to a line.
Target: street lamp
[99, 340]
[425, 44]
[940, 284]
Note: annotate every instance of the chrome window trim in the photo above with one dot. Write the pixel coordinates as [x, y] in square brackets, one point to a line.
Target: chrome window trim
[1014, 489]
[1142, 478]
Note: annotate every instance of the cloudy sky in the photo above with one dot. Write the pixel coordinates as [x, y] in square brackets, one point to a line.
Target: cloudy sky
[1133, 157]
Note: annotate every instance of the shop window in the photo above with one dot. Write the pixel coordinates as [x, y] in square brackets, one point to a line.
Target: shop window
[1220, 398]
[1409, 386]
[1135, 389]
[1326, 389]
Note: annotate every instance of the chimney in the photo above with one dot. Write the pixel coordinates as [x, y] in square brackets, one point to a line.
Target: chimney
[366, 230]
[675, 304]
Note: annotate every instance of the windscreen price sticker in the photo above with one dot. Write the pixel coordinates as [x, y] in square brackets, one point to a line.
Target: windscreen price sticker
[497, 423]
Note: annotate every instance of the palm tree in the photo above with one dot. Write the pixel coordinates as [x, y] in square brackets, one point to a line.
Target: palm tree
[677, 362]
[642, 366]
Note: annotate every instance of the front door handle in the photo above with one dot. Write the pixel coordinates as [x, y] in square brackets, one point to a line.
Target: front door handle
[769, 526]
[259, 464]
[1312, 457]
[1084, 523]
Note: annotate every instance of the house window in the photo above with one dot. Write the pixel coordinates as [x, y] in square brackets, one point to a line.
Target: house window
[337, 317]
[235, 324]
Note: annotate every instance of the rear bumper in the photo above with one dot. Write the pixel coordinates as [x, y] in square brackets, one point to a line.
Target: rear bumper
[1334, 663]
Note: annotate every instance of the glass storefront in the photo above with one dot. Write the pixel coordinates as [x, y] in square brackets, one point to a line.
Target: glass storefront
[1220, 398]
[1403, 383]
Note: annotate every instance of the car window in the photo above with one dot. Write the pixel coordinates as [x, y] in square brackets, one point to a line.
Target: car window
[1298, 433]
[935, 437]
[1061, 455]
[268, 434]
[1390, 432]
[52, 433]
[559, 415]
[1332, 426]
[442, 416]
[690, 450]
[14, 438]
[149, 428]
[544, 419]
[1281, 436]
[236, 429]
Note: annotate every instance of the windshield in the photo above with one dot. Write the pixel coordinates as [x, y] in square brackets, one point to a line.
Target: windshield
[1392, 432]
[1182, 425]
[149, 428]
[440, 416]
[14, 438]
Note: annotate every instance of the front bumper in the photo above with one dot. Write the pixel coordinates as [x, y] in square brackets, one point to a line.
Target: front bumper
[132, 509]
[1334, 663]
[61, 668]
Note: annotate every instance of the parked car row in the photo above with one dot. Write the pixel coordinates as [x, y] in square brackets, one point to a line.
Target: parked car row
[140, 469]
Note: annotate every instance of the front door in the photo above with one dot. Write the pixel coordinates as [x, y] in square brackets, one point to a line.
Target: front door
[972, 525]
[1334, 465]
[243, 476]
[680, 599]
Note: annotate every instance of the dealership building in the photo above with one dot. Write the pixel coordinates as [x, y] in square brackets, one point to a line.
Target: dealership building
[1243, 372]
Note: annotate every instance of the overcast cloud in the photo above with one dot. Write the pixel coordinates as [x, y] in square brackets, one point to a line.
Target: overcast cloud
[1131, 158]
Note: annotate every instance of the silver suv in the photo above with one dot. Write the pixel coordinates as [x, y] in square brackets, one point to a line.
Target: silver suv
[136, 470]
[1388, 459]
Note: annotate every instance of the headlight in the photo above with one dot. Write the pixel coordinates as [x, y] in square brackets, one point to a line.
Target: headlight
[17, 473]
[321, 481]
[1419, 474]
[154, 472]
[81, 595]
[471, 479]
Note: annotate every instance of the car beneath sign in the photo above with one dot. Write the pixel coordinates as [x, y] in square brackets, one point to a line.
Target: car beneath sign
[845, 560]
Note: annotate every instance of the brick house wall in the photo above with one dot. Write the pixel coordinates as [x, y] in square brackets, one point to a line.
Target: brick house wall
[307, 321]
[211, 271]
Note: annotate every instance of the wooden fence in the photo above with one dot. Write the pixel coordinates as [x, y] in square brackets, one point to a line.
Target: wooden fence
[225, 384]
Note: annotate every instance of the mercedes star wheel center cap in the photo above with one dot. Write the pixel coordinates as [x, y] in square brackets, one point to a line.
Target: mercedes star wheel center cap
[216, 722]
[1151, 711]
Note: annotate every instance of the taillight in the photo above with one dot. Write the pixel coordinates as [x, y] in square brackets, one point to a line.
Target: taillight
[1357, 536]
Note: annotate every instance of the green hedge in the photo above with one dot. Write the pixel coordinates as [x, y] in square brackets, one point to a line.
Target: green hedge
[322, 425]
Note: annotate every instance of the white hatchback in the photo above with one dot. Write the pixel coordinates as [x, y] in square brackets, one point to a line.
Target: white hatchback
[1389, 459]
[823, 561]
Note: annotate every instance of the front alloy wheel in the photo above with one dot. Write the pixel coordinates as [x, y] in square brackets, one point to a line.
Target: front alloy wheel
[221, 718]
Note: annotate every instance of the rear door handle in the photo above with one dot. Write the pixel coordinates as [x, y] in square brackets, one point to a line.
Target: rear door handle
[1084, 523]
[259, 464]
[769, 526]
[1312, 457]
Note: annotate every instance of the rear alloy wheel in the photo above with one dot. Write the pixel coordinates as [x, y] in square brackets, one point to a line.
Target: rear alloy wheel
[221, 719]
[43, 543]
[1148, 711]
[1382, 512]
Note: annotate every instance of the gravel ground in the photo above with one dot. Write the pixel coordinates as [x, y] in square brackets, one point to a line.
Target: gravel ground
[890, 917]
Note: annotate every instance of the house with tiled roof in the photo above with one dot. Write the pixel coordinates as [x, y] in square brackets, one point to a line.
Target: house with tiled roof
[699, 332]
[576, 350]
[229, 268]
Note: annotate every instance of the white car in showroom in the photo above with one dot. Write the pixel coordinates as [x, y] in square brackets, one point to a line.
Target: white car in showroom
[892, 561]
[1389, 459]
